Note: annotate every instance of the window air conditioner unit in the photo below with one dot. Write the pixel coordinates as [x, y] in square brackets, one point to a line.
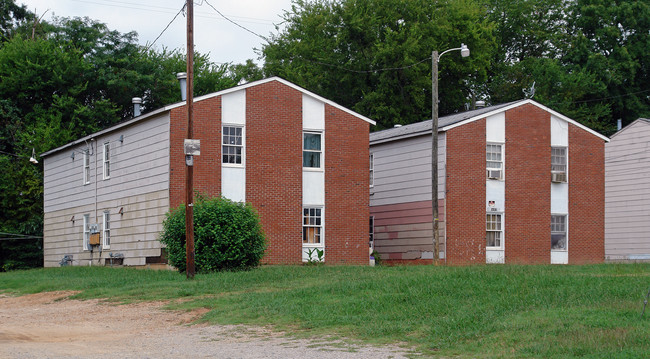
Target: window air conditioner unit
[494, 174]
[558, 177]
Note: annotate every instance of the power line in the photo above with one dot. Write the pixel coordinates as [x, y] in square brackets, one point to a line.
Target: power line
[166, 27]
[236, 24]
[361, 71]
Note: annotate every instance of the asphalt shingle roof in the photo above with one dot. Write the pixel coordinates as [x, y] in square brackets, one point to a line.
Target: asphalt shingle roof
[420, 128]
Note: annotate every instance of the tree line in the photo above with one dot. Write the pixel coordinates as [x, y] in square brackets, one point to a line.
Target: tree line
[70, 77]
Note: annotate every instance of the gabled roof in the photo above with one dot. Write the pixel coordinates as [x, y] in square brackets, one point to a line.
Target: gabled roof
[638, 120]
[458, 119]
[204, 97]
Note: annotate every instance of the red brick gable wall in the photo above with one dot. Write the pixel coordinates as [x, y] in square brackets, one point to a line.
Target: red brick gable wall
[528, 185]
[346, 188]
[586, 177]
[274, 170]
[466, 194]
[274, 167]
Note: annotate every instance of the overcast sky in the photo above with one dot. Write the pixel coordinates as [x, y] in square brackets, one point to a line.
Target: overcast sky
[225, 41]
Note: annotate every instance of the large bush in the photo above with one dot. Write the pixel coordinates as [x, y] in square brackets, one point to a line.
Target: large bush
[227, 235]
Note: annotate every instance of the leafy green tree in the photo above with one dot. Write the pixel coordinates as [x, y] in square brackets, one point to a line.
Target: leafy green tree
[227, 235]
[584, 58]
[373, 56]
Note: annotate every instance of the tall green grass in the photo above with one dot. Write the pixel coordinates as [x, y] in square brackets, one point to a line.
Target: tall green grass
[466, 312]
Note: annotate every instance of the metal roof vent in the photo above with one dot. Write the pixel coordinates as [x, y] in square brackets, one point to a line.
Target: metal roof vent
[480, 104]
[136, 106]
[182, 80]
[397, 125]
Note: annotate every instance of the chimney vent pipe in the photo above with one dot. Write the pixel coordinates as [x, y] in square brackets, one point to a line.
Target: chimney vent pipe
[136, 106]
[182, 79]
[619, 124]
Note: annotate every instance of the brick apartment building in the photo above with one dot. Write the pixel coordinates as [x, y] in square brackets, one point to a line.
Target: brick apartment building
[299, 159]
[517, 183]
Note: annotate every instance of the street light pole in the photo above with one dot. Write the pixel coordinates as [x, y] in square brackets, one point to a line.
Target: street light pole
[434, 154]
[435, 58]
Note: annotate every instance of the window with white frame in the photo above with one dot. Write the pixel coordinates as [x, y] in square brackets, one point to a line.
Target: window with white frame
[312, 225]
[311, 150]
[86, 232]
[372, 170]
[558, 159]
[494, 230]
[107, 160]
[558, 164]
[106, 230]
[86, 167]
[232, 145]
[494, 161]
[558, 232]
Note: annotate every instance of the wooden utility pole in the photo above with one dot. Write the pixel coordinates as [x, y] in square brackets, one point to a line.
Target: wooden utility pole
[189, 169]
[434, 154]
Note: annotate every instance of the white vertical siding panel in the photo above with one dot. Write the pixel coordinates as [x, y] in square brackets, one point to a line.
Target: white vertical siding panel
[559, 132]
[233, 108]
[313, 188]
[495, 128]
[233, 183]
[233, 177]
[313, 113]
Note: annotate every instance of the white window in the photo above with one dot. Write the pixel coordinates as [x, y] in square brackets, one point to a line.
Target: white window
[372, 170]
[312, 225]
[106, 230]
[494, 161]
[232, 145]
[558, 232]
[86, 167]
[311, 150]
[558, 164]
[107, 160]
[86, 232]
[494, 230]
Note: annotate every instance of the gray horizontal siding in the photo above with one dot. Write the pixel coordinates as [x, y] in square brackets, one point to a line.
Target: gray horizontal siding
[134, 234]
[402, 170]
[627, 192]
[140, 164]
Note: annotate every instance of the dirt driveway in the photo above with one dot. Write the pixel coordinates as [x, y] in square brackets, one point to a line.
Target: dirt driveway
[47, 325]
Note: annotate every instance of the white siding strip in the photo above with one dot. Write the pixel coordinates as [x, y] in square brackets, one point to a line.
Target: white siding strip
[233, 183]
[313, 188]
[233, 108]
[313, 114]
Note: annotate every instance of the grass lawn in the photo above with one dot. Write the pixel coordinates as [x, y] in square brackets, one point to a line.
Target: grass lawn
[502, 311]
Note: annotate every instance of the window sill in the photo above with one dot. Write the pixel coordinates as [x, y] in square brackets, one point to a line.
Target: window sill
[233, 165]
[313, 169]
[559, 250]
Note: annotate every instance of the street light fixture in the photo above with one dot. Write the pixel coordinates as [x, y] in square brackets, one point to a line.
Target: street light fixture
[435, 58]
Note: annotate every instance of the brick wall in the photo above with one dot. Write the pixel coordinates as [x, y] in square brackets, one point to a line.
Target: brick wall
[207, 166]
[466, 194]
[586, 197]
[528, 185]
[274, 167]
[274, 170]
[346, 188]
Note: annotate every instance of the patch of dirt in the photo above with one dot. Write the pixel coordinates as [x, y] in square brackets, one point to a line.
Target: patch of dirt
[48, 325]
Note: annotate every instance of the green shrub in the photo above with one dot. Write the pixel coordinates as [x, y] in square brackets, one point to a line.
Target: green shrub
[227, 235]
